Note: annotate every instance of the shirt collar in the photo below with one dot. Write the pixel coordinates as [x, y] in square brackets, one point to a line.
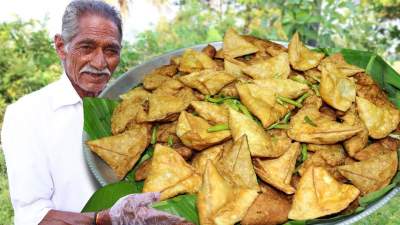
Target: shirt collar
[64, 93]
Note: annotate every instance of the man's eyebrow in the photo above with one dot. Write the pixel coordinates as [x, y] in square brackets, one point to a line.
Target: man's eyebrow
[86, 41]
[91, 41]
[116, 46]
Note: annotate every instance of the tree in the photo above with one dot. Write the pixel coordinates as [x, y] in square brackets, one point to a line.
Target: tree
[27, 60]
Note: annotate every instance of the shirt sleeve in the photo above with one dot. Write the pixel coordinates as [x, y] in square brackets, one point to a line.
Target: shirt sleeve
[30, 181]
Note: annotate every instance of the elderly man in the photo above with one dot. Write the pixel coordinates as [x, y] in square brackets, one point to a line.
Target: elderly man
[42, 132]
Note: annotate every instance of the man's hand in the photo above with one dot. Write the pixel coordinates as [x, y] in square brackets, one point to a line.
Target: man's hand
[132, 209]
[135, 209]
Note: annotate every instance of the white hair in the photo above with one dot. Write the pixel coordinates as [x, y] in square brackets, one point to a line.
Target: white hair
[77, 8]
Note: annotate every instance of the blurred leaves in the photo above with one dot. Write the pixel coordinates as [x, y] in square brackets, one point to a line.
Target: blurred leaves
[27, 60]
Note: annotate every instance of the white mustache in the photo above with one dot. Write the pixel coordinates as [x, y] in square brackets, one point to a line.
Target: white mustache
[90, 69]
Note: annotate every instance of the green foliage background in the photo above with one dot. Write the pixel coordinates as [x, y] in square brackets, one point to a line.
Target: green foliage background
[28, 60]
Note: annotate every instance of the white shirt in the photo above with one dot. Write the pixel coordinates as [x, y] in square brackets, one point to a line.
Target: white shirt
[42, 143]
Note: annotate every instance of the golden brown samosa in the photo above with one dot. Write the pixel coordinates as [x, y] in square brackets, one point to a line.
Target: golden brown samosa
[259, 141]
[339, 62]
[213, 113]
[380, 120]
[279, 140]
[213, 154]
[235, 45]
[371, 151]
[170, 174]
[327, 156]
[262, 103]
[122, 151]
[135, 93]
[371, 174]
[153, 81]
[208, 82]
[319, 194]
[236, 166]
[161, 107]
[220, 203]
[358, 141]
[127, 110]
[274, 67]
[278, 172]
[311, 126]
[192, 61]
[192, 130]
[300, 57]
[233, 69]
[336, 89]
[266, 46]
[284, 87]
[271, 207]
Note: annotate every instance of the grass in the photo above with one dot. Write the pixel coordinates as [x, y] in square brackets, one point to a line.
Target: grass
[6, 210]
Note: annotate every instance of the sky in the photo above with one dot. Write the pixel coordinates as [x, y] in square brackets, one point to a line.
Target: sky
[143, 15]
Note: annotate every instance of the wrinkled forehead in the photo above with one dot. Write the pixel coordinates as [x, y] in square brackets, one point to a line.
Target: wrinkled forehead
[97, 29]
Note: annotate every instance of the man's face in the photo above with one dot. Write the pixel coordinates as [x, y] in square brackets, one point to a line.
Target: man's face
[92, 55]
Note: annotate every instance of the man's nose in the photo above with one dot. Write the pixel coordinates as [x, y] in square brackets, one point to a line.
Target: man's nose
[99, 61]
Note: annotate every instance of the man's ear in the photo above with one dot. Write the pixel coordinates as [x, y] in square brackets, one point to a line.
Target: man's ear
[60, 47]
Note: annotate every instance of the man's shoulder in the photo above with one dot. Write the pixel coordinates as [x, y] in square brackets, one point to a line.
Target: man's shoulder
[30, 111]
[38, 100]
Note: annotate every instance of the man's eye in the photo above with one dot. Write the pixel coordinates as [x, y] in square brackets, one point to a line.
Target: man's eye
[112, 51]
[86, 48]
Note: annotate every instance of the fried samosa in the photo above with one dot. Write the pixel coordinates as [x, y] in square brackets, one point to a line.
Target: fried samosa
[165, 104]
[235, 45]
[284, 87]
[372, 174]
[262, 103]
[358, 141]
[311, 126]
[259, 141]
[279, 140]
[161, 107]
[170, 174]
[137, 93]
[122, 151]
[380, 120]
[213, 113]
[220, 203]
[327, 156]
[341, 65]
[274, 67]
[236, 166]
[319, 194]
[167, 131]
[233, 69]
[336, 89]
[192, 130]
[278, 172]
[153, 81]
[265, 46]
[208, 82]
[213, 154]
[300, 57]
[127, 110]
[371, 151]
[192, 61]
[271, 207]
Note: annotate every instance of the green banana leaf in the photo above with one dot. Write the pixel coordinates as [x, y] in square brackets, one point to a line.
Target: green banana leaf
[98, 112]
[106, 196]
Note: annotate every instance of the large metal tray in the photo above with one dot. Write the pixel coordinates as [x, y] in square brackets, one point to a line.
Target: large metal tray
[103, 173]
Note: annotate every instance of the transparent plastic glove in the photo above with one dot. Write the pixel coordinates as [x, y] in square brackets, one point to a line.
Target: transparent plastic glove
[135, 209]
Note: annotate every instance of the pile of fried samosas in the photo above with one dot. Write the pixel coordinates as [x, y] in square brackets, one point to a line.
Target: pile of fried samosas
[260, 132]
